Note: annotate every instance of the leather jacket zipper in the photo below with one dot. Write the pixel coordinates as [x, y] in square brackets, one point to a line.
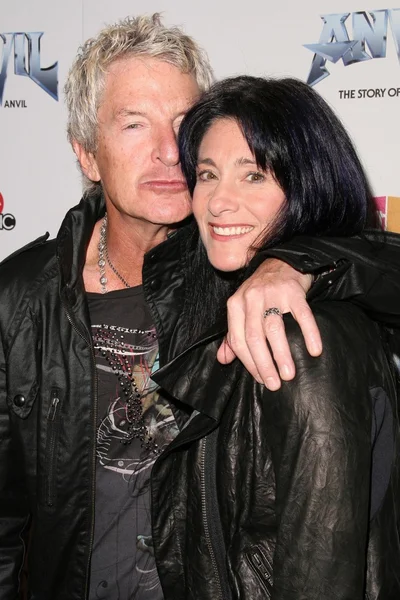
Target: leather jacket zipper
[52, 422]
[261, 566]
[91, 539]
[210, 514]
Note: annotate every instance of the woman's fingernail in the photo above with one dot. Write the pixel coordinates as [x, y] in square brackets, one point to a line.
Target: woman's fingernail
[273, 384]
[316, 349]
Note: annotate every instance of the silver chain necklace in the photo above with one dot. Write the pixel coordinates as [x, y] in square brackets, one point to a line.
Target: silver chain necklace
[105, 259]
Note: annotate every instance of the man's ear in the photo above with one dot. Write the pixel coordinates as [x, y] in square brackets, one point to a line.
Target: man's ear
[87, 161]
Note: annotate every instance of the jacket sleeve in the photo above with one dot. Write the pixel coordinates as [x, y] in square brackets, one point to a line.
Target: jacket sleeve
[366, 270]
[14, 515]
[319, 428]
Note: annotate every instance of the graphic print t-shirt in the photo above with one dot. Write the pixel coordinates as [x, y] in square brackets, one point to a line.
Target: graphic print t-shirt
[123, 565]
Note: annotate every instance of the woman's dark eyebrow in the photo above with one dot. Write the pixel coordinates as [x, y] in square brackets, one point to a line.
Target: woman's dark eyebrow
[238, 162]
[206, 161]
[245, 161]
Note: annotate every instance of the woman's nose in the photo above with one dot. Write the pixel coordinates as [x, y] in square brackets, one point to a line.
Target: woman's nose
[223, 199]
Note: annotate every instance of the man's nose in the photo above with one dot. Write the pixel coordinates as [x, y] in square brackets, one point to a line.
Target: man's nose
[166, 147]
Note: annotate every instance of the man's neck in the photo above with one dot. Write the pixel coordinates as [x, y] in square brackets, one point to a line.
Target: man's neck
[127, 240]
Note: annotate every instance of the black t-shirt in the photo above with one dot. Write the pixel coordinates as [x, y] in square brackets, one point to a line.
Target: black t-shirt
[126, 349]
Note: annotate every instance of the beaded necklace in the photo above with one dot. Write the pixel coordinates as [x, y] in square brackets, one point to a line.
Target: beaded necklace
[109, 343]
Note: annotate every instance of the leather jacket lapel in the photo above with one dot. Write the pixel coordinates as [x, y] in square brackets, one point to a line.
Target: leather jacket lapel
[196, 378]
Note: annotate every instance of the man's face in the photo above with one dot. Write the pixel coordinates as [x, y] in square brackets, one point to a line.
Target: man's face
[137, 159]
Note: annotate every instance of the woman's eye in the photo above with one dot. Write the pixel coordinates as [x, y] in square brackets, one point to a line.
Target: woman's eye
[206, 176]
[255, 177]
[133, 126]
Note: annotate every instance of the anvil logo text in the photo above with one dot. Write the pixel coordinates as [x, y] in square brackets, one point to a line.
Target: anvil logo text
[368, 40]
[27, 61]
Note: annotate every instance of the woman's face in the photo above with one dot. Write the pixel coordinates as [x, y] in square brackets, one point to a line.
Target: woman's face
[233, 200]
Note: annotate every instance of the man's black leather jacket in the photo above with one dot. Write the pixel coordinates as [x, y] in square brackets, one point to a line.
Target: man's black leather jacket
[287, 495]
[48, 396]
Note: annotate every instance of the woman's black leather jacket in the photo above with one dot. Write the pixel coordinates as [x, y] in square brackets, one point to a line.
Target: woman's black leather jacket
[287, 495]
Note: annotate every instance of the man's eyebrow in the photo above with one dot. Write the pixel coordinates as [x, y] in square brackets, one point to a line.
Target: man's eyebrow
[126, 112]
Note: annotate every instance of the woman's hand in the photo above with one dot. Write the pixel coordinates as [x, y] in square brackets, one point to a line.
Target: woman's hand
[275, 284]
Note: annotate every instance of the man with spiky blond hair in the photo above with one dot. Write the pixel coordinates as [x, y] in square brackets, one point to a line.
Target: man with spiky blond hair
[88, 317]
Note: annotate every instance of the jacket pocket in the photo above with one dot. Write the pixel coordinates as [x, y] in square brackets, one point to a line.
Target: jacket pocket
[261, 566]
[51, 454]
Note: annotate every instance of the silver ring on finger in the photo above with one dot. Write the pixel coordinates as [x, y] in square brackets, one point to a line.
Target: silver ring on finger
[272, 311]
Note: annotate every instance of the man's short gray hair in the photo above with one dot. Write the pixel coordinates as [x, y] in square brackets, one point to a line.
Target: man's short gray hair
[133, 36]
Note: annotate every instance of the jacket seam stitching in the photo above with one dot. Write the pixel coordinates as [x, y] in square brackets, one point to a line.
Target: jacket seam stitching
[24, 551]
[181, 561]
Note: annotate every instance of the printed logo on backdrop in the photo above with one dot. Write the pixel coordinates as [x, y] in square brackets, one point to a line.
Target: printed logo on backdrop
[7, 220]
[354, 38]
[20, 54]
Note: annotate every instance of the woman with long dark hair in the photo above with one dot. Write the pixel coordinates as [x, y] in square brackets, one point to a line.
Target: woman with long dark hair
[294, 494]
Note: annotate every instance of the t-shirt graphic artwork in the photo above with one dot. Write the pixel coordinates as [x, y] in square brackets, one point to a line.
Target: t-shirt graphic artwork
[134, 423]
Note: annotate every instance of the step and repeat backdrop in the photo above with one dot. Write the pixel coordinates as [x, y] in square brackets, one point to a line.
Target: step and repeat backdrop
[349, 51]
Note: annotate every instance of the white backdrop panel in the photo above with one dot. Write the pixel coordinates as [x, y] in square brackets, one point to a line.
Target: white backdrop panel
[38, 177]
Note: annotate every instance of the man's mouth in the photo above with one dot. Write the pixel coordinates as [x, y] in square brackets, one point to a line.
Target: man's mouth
[173, 185]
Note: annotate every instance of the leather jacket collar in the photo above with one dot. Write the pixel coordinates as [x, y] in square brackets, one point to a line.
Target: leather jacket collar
[197, 379]
[74, 237]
